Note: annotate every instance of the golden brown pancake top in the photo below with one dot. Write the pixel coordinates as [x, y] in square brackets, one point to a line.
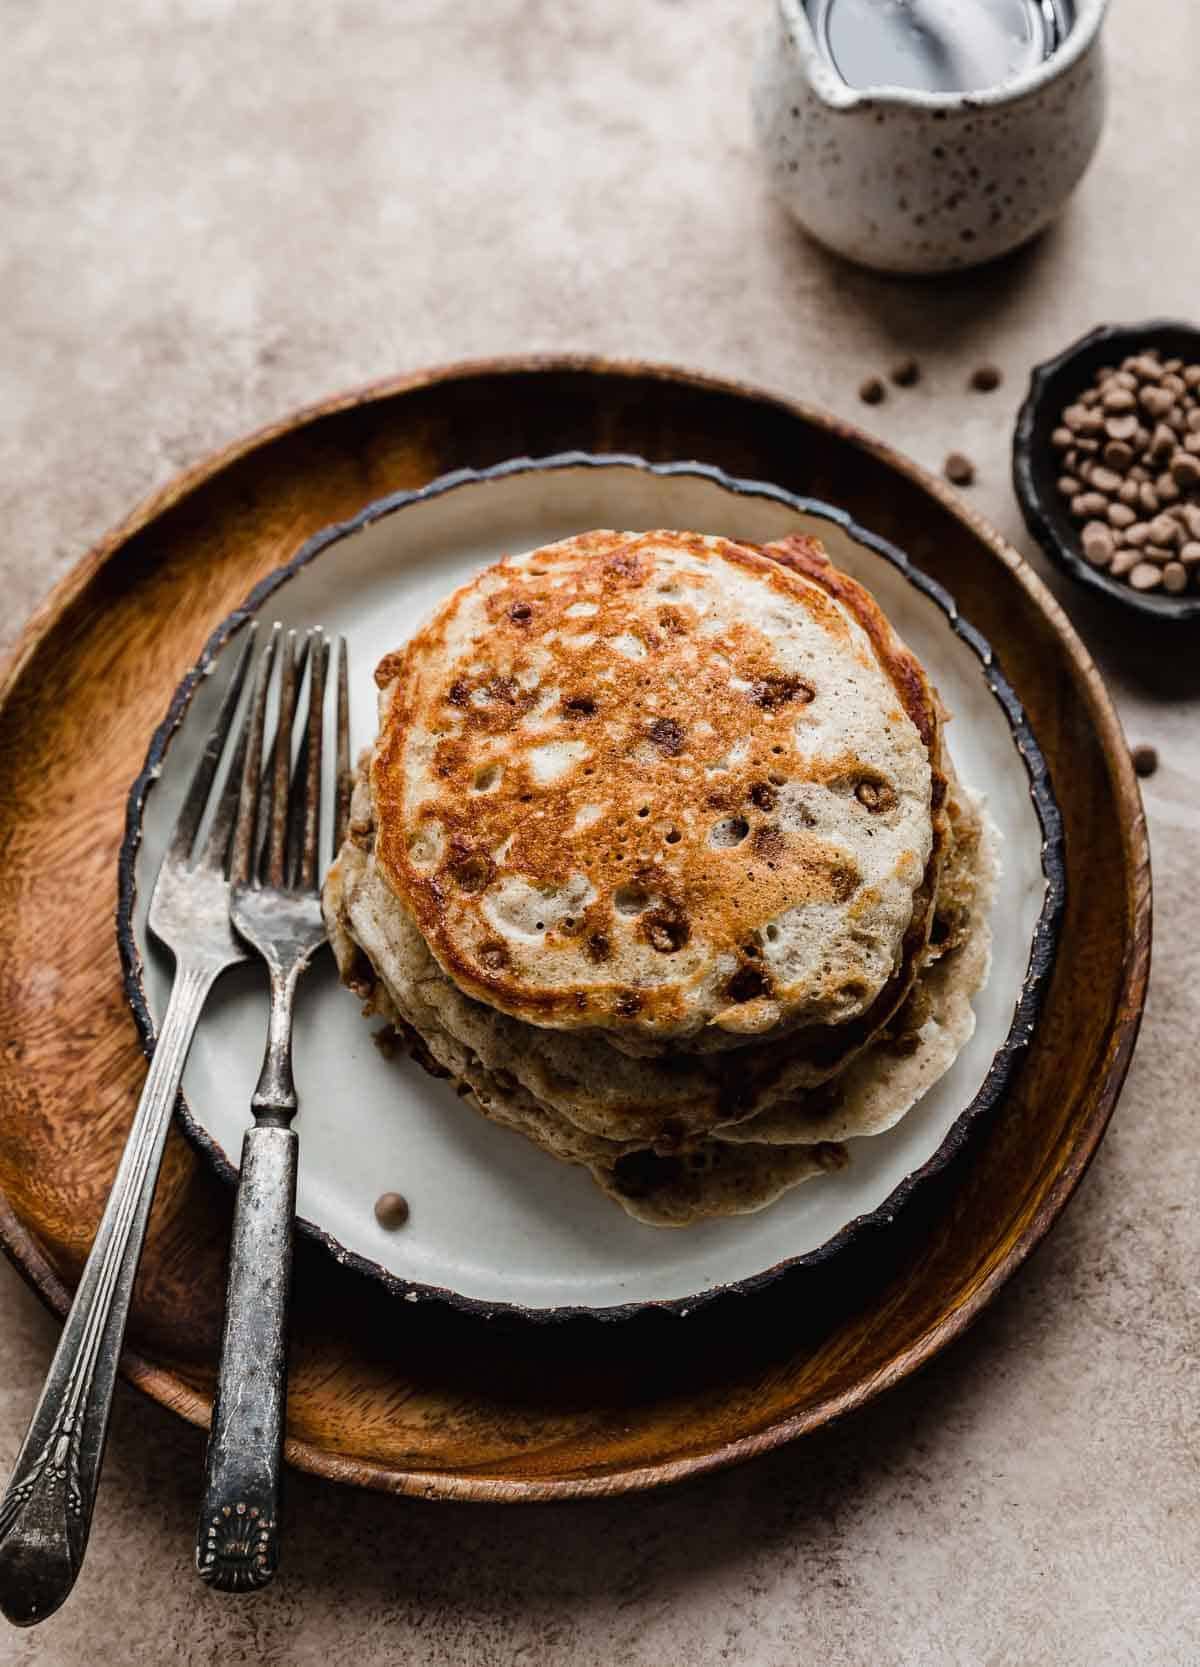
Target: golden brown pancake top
[596, 777]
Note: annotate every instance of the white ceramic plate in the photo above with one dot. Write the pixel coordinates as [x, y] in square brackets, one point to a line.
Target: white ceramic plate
[494, 1222]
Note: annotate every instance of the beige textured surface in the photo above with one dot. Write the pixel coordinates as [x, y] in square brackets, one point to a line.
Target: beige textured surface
[213, 212]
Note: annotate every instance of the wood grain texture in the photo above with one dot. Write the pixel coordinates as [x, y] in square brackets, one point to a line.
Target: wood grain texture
[416, 1398]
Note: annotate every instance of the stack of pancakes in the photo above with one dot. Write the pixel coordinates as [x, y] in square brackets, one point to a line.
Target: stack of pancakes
[660, 856]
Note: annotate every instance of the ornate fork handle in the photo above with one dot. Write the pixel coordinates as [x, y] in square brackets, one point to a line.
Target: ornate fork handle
[46, 1511]
[237, 1538]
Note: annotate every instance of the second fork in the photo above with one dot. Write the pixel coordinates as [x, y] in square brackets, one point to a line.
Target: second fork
[275, 906]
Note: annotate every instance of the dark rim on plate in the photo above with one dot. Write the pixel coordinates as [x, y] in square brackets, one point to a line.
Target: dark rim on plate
[1052, 386]
[1004, 1063]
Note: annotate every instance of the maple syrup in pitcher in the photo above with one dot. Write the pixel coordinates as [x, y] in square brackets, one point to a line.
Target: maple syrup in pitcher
[938, 46]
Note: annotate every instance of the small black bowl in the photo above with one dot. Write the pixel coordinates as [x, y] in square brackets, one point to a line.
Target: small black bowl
[1036, 468]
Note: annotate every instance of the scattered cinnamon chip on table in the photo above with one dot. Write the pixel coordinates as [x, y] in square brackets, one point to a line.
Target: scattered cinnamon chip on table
[959, 469]
[906, 373]
[985, 378]
[872, 391]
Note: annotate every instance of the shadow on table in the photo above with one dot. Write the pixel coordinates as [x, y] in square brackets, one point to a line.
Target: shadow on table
[923, 314]
[1156, 659]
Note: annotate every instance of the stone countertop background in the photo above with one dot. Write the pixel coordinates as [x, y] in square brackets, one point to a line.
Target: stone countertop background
[213, 213]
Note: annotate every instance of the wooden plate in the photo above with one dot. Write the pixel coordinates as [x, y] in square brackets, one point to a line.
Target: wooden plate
[423, 1399]
[496, 1225]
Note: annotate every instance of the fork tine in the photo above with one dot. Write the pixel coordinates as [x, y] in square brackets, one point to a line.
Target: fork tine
[277, 816]
[192, 813]
[218, 840]
[268, 769]
[244, 842]
[341, 815]
[307, 877]
[295, 816]
[262, 842]
[218, 846]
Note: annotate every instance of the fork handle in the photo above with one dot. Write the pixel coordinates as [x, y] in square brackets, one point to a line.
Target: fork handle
[46, 1511]
[237, 1536]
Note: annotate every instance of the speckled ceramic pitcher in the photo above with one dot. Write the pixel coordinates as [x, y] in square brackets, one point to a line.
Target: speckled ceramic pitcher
[914, 181]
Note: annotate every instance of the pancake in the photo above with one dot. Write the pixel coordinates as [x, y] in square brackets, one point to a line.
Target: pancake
[599, 1088]
[912, 1052]
[672, 789]
[660, 857]
[626, 1102]
[713, 1180]
[747, 1166]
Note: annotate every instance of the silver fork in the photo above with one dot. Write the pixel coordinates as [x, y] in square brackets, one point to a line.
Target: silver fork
[276, 908]
[46, 1511]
